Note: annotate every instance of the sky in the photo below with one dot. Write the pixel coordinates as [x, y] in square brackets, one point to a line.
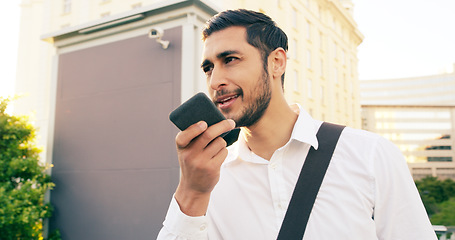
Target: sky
[402, 38]
[405, 38]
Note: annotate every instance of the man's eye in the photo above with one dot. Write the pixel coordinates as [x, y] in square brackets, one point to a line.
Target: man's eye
[229, 59]
[207, 69]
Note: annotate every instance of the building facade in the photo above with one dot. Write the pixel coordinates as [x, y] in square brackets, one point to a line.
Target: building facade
[418, 115]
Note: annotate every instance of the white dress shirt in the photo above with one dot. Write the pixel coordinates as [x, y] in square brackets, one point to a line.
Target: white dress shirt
[367, 193]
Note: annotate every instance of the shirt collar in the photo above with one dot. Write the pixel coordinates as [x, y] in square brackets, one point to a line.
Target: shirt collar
[305, 129]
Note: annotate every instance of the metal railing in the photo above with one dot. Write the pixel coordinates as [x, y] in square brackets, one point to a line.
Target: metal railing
[444, 233]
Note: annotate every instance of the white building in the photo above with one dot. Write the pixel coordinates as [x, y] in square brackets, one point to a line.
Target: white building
[418, 115]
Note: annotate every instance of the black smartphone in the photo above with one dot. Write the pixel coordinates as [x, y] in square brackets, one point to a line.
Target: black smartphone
[201, 108]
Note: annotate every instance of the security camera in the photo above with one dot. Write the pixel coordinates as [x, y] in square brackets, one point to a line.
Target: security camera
[157, 33]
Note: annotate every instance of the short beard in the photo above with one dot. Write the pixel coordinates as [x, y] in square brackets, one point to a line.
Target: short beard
[254, 111]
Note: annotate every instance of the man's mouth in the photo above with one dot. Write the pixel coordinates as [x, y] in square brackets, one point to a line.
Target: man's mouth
[225, 102]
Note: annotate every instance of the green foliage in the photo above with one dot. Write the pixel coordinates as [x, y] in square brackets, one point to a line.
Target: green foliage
[446, 214]
[439, 199]
[23, 180]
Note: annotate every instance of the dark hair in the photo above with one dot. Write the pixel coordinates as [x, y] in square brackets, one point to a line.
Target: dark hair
[262, 32]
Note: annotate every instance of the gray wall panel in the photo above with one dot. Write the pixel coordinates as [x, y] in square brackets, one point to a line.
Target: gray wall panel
[136, 62]
[113, 204]
[114, 156]
[116, 130]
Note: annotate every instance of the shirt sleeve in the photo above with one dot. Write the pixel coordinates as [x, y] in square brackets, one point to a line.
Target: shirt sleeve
[399, 212]
[179, 226]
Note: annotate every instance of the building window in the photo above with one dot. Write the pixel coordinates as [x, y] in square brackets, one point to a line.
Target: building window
[346, 105]
[439, 159]
[420, 125]
[343, 57]
[66, 6]
[414, 114]
[345, 82]
[321, 40]
[310, 88]
[308, 54]
[319, 12]
[351, 87]
[296, 81]
[322, 95]
[294, 17]
[308, 30]
[419, 173]
[335, 74]
[295, 49]
[337, 100]
[353, 110]
[446, 172]
[352, 68]
[322, 67]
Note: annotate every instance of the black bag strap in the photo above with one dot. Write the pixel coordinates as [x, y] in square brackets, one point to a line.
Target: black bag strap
[309, 182]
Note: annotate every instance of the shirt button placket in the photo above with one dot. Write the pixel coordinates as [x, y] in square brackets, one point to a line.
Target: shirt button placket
[275, 170]
[273, 166]
[202, 227]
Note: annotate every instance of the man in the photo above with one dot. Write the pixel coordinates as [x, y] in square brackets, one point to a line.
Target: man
[242, 192]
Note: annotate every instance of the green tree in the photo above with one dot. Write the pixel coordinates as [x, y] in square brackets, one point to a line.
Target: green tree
[446, 214]
[439, 199]
[23, 180]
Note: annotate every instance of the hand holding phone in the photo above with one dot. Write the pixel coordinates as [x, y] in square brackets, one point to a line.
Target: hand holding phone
[201, 108]
[200, 158]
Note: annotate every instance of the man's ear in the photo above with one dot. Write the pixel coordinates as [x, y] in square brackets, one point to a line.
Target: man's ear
[278, 62]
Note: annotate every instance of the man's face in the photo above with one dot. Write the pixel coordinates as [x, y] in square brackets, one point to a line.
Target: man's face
[238, 83]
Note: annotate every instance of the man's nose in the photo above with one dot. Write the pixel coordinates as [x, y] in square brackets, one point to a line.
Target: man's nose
[217, 79]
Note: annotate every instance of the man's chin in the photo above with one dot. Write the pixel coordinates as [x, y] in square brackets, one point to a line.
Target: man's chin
[227, 113]
[229, 116]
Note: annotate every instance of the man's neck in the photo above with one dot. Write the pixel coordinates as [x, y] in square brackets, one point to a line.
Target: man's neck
[272, 131]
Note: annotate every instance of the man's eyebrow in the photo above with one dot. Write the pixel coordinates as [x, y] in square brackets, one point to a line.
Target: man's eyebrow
[219, 56]
[205, 63]
[226, 53]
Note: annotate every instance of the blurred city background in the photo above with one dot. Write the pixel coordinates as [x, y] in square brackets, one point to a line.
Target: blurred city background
[99, 89]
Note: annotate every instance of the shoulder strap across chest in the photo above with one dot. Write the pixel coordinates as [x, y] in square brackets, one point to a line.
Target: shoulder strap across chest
[309, 182]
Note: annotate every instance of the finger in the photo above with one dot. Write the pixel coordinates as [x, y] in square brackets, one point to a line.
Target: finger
[214, 147]
[184, 138]
[219, 157]
[214, 131]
